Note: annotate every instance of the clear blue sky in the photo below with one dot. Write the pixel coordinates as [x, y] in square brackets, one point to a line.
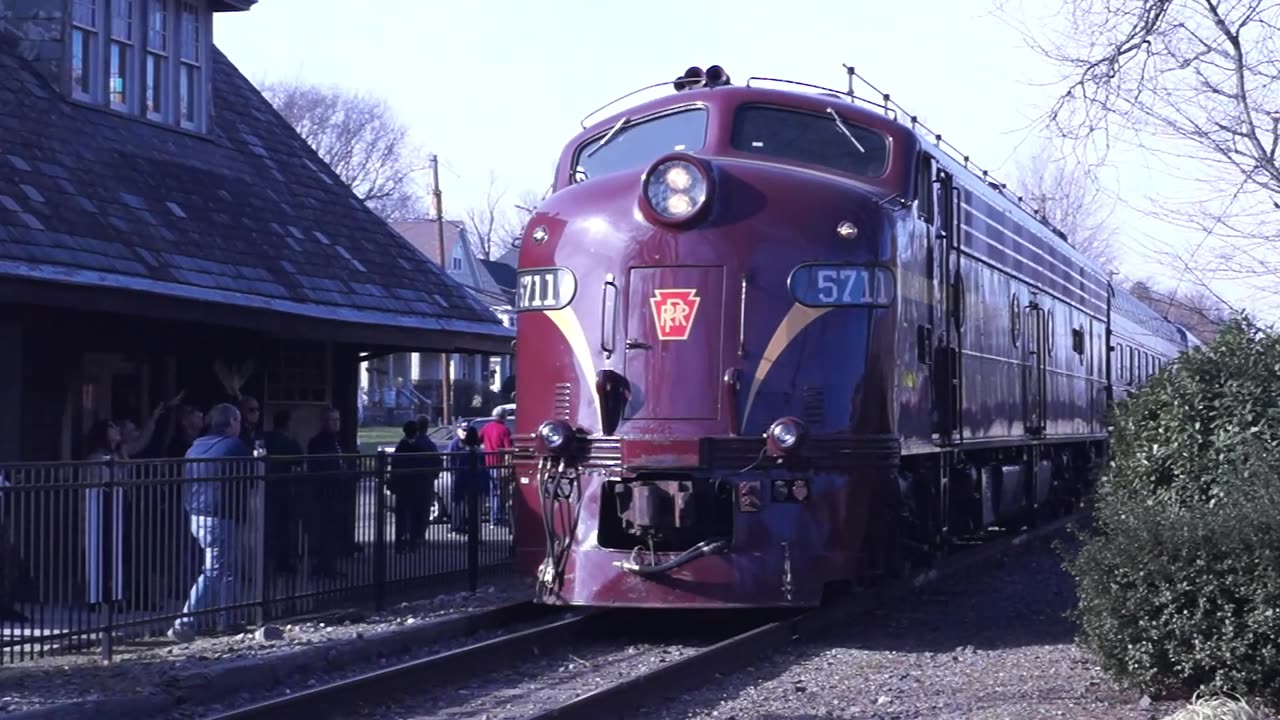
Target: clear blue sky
[501, 85]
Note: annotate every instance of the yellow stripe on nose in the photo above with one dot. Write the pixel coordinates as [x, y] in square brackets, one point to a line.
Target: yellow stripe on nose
[796, 320]
[567, 321]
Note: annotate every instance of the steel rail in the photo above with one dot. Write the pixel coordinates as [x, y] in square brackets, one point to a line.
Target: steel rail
[444, 667]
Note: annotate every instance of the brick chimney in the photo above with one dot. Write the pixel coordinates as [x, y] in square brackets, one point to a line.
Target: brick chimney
[34, 30]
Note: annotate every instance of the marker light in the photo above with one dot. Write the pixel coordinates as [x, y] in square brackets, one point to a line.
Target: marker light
[676, 190]
[784, 436]
[553, 437]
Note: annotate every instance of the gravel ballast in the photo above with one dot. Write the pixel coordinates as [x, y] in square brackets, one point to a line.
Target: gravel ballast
[993, 645]
[152, 670]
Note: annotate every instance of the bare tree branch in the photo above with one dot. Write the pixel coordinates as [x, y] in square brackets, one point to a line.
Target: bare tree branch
[1194, 308]
[361, 139]
[1198, 82]
[496, 227]
[1069, 198]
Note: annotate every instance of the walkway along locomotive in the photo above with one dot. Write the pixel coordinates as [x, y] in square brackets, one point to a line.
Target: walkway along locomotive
[773, 339]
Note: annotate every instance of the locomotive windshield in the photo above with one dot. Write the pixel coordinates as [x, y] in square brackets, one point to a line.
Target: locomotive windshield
[633, 144]
[827, 140]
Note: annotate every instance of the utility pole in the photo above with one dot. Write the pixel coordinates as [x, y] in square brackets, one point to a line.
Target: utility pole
[446, 394]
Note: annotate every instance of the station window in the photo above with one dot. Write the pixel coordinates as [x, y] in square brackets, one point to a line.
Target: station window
[148, 58]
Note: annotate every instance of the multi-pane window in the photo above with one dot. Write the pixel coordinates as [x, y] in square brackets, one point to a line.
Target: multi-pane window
[153, 62]
[122, 43]
[189, 69]
[84, 46]
[157, 57]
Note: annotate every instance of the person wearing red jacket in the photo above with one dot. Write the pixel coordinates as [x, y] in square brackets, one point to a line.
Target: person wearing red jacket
[495, 437]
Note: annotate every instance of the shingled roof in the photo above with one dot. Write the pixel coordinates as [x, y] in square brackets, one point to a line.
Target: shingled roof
[248, 217]
[502, 279]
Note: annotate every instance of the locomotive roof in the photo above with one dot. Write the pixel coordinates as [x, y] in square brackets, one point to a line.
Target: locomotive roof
[868, 112]
[735, 94]
[884, 118]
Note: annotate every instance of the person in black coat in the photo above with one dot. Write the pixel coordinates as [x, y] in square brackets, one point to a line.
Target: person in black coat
[332, 483]
[414, 469]
[284, 460]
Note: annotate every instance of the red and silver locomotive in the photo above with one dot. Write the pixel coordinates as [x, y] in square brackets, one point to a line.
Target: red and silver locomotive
[772, 339]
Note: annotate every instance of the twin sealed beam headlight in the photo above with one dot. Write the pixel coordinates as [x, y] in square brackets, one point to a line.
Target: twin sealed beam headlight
[677, 190]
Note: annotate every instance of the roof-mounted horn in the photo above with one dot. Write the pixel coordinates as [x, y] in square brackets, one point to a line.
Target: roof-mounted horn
[695, 77]
[716, 76]
[692, 78]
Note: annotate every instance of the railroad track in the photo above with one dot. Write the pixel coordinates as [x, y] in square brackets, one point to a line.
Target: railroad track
[739, 641]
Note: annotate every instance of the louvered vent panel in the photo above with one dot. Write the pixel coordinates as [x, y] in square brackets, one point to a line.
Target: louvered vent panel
[814, 405]
[563, 400]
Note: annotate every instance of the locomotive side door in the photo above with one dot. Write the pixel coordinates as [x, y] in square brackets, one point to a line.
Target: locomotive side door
[1034, 370]
[950, 316]
[930, 195]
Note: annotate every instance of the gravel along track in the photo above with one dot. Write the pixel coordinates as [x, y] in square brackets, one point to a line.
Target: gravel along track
[142, 666]
[992, 644]
[610, 664]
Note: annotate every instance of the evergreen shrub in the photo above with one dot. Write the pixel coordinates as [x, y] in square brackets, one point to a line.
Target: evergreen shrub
[1179, 579]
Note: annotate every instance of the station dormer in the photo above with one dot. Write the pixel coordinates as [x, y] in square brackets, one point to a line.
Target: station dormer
[151, 59]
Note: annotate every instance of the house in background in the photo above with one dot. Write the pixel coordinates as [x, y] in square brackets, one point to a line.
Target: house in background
[503, 273]
[163, 228]
[418, 373]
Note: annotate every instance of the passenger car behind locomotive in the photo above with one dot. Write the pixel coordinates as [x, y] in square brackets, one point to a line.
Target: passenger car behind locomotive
[770, 340]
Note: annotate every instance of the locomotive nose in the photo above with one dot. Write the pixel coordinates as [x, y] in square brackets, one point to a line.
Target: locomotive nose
[677, 190]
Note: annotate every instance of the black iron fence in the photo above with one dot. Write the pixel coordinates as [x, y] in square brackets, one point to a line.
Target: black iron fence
[96, 553]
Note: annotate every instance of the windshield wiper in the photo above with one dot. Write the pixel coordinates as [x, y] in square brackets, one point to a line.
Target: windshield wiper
[609, 136]
[845, 129]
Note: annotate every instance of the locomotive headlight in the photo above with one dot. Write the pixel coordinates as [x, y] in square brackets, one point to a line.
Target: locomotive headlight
[676, 189]
[784, 435]
[678, 177]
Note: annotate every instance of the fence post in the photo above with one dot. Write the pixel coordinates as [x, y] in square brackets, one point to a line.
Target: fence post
[107, 557]
[509, 488]
[380, 531]
[473, 533]
[258, 477]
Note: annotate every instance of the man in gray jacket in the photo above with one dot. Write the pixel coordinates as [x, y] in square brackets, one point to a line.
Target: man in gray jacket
[216, 497]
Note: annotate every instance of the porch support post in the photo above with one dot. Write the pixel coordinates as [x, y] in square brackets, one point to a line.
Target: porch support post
[11, 383]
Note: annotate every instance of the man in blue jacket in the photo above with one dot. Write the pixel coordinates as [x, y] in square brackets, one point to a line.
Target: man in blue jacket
[216, 497]
[470, 478]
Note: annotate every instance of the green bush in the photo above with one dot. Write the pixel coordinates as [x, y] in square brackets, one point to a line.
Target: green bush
[1182, 438]
[1179, 582]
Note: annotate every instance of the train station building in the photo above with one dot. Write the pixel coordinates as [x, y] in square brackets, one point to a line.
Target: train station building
[164, 229]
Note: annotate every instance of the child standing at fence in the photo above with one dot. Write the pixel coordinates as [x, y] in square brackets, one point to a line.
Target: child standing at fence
[103, 515]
